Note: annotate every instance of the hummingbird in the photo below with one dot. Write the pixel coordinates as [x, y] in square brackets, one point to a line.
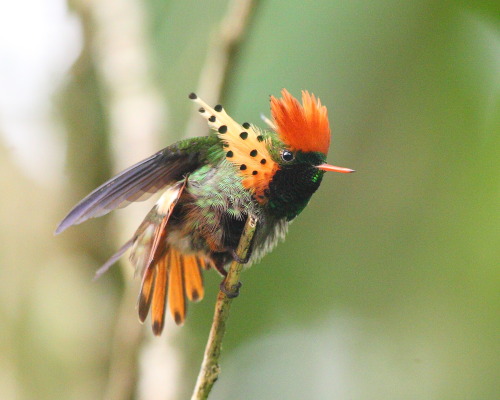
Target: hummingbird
[209, 187]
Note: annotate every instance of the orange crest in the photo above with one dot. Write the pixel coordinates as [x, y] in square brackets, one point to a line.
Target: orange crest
[302, 127]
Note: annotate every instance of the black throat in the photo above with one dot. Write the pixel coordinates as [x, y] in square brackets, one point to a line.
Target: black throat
[291, 188]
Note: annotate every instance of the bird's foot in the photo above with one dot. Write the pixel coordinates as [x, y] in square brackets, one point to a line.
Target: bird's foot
[220, 269]
[233, 292]
[238, 259]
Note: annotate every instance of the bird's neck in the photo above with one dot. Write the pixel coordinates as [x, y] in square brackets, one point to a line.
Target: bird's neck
[290, 190]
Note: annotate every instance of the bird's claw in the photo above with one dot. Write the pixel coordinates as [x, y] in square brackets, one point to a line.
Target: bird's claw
[233, 292]
[238, 259]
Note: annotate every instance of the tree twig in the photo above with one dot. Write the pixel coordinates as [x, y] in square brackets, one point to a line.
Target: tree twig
[212, 82]
[210, 368]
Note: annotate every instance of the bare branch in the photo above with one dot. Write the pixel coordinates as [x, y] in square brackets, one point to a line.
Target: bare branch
[210, 368]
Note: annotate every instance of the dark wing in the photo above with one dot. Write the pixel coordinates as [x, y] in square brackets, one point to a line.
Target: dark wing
[140, 181]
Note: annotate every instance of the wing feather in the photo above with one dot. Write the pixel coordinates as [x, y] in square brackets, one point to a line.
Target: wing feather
[140, 181]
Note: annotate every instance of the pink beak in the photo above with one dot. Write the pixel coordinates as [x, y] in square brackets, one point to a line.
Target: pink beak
[328, 167]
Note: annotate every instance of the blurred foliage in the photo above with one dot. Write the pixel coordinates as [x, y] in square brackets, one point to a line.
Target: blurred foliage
[387, 285]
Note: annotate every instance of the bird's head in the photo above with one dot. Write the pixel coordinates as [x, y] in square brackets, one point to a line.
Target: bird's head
[298, 148]
[304, 129]
[282, 168]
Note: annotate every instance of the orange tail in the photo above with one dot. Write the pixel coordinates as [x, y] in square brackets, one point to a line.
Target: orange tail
[174, 275]
[159, 297]
[146, 295]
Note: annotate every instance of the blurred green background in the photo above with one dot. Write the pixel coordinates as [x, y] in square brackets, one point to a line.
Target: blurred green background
[387, 286]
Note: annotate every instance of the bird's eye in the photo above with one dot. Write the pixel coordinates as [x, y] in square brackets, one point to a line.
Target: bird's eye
[287, 155]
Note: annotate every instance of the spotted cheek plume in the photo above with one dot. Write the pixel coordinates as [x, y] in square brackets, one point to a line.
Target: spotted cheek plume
[303, 126]
[244, 146]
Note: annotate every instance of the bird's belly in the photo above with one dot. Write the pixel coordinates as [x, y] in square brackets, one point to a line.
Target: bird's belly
[181, 242]
[210, 216]
[197, 227]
